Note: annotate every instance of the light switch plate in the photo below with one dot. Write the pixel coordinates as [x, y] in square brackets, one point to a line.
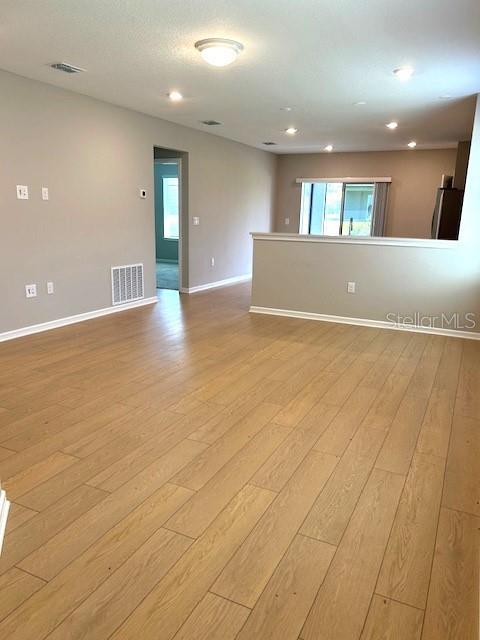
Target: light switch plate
[22, 192]
[196, 221]
[50, 288]
[30, 290]
[351, 287]
[143, 193]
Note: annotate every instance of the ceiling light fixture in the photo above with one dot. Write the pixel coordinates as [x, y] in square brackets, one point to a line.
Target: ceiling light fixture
[219, 52]
[291, 131]
[329, 147]
[403, 73]
[412, 144]
[360, 103]
[392, 125]
[285, 108]
[175, 96]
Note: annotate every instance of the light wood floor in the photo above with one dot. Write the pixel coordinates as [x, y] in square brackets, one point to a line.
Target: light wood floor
[193, 471]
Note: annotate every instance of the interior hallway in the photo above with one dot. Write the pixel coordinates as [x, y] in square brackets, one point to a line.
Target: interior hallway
[189, 470]
[166, 274]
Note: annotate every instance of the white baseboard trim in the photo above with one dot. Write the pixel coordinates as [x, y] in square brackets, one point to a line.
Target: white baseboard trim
[80, 317]
[380, 324]
[219, 283]
[4, 509]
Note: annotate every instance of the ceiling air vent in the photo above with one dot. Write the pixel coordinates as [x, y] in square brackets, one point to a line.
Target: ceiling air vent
[127, 283]
[66, 68]
[269, 144]
[210, 123]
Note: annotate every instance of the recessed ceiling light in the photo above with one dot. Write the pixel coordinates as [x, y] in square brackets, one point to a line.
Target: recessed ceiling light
[360, 103]
[329, 147]
[219, 52]
[412, 144]
[285, 108]
[291, 131]
[175, 96]
[392, 125]
[403, 73]
[446, 96]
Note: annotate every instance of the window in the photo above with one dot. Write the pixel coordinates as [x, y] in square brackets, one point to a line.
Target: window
[170, 208]
[343, 208]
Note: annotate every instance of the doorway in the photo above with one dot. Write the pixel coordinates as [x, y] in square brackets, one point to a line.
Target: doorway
[170, 181]
[167, 222]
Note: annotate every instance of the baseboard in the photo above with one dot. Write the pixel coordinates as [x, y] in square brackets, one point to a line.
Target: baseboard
[4, 509]
[379, 324]
[219, 283]
[80, 317]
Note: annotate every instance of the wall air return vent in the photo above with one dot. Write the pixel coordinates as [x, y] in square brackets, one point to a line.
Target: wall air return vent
[66, 68]
[127, 283]
[210, 123]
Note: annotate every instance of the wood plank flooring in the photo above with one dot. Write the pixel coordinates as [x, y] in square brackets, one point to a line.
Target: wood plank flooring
[190, 471]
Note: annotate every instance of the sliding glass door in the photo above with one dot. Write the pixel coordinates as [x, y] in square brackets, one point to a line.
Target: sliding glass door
[338, 208]
[357, 213]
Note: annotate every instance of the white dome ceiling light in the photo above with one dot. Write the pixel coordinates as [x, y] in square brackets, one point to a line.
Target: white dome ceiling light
[219, 52]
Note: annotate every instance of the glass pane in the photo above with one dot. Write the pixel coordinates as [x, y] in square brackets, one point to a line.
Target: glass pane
[170, 208]
[318, 208]
[358, 209]
[333, 208]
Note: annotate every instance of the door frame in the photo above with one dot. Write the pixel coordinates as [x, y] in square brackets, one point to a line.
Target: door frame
[178, 161]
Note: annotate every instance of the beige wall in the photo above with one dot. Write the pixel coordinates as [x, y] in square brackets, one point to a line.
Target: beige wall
[415, 174]
[94, 157]
[312, 277]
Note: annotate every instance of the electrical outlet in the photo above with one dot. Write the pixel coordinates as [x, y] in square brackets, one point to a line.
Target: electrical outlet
[50, 288]
[44, 193]
[22, 192]
[30, 290]
[351, 287]
[287, 221]
[196, 221]
[212, 262]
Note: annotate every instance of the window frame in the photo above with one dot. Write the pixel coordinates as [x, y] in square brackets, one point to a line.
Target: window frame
[307, 195]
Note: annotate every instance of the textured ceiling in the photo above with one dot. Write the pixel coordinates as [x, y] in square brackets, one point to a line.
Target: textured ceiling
[315, 56]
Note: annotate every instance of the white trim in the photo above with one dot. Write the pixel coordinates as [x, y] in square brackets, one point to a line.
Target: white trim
[425, 243]
[80, 317]
[219, 283]
[379, 324]
[346, 179]
[4, 509]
